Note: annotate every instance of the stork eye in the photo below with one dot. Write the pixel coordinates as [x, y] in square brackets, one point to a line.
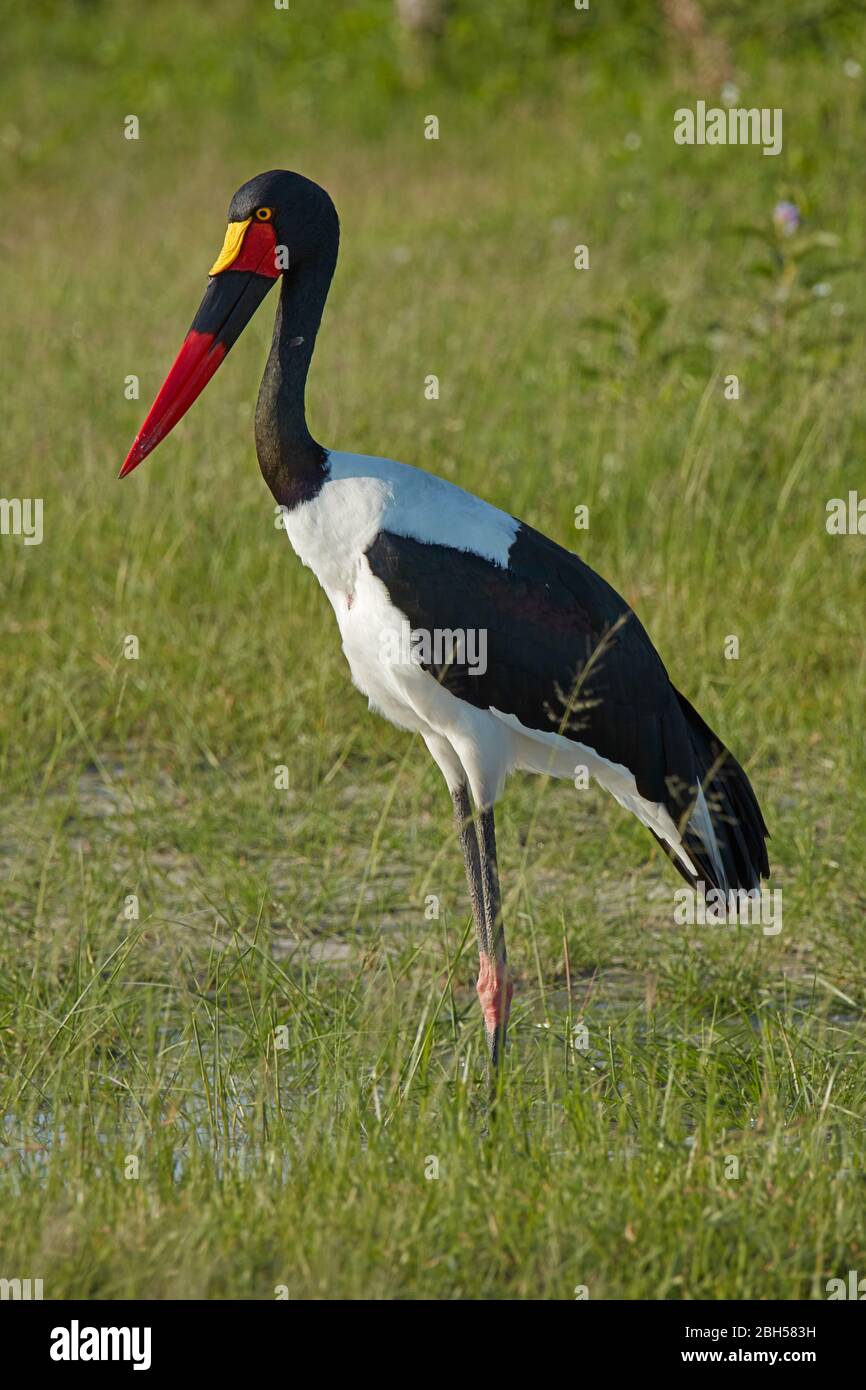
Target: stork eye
[264, 214]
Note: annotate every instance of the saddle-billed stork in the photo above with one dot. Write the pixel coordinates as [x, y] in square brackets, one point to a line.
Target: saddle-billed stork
[571, 679]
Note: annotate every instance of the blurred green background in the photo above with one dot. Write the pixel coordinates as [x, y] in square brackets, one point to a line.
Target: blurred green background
[299, 1157]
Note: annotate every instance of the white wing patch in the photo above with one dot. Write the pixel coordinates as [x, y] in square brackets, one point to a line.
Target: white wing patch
[429, 509]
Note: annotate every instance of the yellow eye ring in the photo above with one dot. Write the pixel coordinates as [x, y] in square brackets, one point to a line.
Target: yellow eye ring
[264, 214]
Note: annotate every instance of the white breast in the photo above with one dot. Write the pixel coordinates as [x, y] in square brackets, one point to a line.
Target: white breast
[331, 534]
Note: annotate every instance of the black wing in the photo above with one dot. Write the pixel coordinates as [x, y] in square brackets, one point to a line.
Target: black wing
[565, 653]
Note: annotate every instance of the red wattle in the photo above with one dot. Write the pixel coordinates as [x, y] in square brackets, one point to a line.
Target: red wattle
[259, 251]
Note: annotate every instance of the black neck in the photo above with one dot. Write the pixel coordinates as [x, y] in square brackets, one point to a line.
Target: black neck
[293, 464]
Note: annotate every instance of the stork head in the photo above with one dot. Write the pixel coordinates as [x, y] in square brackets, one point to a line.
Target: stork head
[276, 222]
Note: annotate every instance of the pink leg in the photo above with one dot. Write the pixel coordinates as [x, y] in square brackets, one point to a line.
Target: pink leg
[494, 983]
[495, 990]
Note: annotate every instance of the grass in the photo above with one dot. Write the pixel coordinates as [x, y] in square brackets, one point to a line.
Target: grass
[236, 1039]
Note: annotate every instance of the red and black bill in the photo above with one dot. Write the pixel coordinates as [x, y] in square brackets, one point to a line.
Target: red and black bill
[240, 278]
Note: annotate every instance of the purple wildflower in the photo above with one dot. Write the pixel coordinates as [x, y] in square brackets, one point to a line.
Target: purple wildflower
[786, 218]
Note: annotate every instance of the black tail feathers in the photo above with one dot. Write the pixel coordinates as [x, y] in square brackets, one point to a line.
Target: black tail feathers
[725, 833]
